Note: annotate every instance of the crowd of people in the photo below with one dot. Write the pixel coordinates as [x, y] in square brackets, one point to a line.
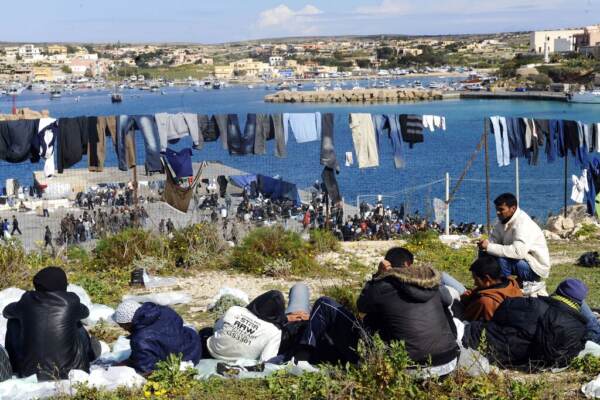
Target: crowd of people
[435, 316]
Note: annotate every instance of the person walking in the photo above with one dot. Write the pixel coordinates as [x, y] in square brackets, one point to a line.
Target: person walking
[48, 239]
[15, 228]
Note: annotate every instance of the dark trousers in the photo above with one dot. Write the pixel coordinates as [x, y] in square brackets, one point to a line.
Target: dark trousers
[15, 229]
[332, 333]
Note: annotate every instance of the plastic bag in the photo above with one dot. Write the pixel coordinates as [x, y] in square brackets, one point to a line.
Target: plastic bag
[163, 299]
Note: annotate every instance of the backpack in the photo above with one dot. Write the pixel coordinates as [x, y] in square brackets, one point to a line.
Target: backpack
[589, 259]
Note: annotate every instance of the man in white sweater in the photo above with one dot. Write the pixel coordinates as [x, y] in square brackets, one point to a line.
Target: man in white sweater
[517, 242]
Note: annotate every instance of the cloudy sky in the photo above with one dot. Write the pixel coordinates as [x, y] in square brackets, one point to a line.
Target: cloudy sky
[210, 21]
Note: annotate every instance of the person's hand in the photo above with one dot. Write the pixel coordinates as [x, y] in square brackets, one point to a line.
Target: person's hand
[483, 245]
[384, 266]
[297, 316]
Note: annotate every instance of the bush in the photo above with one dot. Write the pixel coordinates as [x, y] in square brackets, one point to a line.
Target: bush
[168, 380]
[262, 246]
[345, 295]
[323, 241]
[198, 246]
[120, 250]
[17, 267]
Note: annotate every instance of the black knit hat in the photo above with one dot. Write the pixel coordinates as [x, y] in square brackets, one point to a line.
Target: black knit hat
[50, 279]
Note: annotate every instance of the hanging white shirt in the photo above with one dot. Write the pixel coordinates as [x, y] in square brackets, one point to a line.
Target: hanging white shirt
[580, 187]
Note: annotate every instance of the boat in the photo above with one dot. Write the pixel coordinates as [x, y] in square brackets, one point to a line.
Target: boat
[435, 85]
[163, 92]
[588, 97]
[474, 87]
[417, 85]
[55, 94]
[250, 86]
[116, 98]
[216, 85]
[283, 86]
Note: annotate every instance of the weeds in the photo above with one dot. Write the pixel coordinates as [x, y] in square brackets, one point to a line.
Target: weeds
[323, 241]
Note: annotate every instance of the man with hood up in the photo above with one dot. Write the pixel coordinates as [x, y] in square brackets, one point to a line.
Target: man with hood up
[44, 333]
[404, 303]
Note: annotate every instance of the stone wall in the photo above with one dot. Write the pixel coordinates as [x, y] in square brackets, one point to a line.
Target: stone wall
[24, 113]
[354, 96]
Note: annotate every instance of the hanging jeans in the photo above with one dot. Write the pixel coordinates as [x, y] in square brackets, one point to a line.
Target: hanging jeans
[237, 144]
[365, 141]
[126, 136]
[328, 157]
[332, 333]
[221, 121]
[262, 134]
[279, 133]
[390, 124]
[331, 185]
[552, 141]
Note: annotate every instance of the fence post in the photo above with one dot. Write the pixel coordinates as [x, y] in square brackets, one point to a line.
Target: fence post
[517, 182]
[447, 228]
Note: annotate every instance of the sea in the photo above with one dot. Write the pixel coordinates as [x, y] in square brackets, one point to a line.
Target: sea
[416, 186]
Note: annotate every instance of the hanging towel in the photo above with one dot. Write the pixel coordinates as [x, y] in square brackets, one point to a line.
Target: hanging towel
[172, 127]
[16, 138]
[580, 187]
[328, 157]
[412, 128]
[365, 142]
[280, 137]
[349, 159]
[306, 127]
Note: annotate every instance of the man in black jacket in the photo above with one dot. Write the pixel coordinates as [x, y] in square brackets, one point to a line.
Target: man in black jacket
[403, 302]
[44, 333]
[531, 332]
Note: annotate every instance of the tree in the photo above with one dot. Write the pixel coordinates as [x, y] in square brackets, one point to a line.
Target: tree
[66, 69]
[71, 49]
[385, 53]
[363, 63]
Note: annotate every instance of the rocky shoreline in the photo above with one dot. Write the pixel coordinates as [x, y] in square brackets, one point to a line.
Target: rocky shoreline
[354, 96]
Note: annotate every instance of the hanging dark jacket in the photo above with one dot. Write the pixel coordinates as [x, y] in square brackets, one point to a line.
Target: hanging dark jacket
[16, 139]
[405, 304]
[73, 141]
[45, 337]
[571, 136]
[157, 332]
[530, 332]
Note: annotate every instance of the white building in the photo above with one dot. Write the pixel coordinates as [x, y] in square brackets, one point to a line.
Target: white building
[30, 53]
[276, 61]
[556, 41]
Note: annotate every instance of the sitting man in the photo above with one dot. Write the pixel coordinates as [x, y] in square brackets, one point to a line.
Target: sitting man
[405, 304]
[252, 332]
[519, 244]
[491, 289]
[156, 332]
[534, 331]
[44, 333]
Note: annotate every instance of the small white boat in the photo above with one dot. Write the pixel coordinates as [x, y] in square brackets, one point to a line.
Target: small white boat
[250, 86]
[588, 97]
[55, 94]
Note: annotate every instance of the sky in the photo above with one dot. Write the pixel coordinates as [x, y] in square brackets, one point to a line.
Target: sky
[218, 21]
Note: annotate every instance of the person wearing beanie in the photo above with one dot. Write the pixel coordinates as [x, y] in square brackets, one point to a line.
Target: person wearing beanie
[404, 302]
[44, 333]
[155, 332]
[535, 332]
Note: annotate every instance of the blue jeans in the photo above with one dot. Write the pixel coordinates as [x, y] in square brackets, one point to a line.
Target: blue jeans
[592, 325]
[518, 268]
[448, 280]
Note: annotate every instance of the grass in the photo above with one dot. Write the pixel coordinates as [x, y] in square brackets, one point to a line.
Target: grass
[104, 273]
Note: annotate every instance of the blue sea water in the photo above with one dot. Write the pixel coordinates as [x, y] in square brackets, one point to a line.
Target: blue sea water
[541, 189]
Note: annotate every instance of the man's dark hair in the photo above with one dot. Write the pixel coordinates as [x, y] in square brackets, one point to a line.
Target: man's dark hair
[486, 266]
[398, 256]
[506, 198]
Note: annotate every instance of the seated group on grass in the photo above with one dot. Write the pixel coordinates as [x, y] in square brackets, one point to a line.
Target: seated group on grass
[432, 313]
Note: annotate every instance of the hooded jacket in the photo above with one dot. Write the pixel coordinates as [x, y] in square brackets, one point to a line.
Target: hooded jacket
[157, 332]
[44, 335]
[482, 303]
[405, 304]
[530, 332]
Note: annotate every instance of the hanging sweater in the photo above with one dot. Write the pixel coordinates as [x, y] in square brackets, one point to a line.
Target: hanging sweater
[412, 128]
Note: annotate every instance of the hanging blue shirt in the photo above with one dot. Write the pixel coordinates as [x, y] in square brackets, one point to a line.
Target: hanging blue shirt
[181, 162]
